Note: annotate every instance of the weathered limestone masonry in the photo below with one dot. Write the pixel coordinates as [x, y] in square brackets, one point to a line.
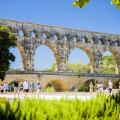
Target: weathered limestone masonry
[62, 81]
[62, 41]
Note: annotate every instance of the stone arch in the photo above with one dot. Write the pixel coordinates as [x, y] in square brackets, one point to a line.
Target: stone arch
[88, 52]
[46, 34]
[32, 34]
[74, 40]
[96, 40]
[58, 85]
[53, 48]
[55, 37]
[20, 32]
[86, 39]
[23, 55]
[94, 82]
[64, 39]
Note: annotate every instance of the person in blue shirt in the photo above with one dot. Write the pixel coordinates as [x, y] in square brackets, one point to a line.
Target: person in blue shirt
[39, 87]
[9, 88]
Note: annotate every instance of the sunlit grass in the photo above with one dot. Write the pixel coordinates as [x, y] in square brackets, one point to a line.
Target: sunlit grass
[100, 108]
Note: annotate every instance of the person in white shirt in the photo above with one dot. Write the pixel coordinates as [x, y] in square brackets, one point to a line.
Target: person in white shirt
[91, 87]
[25, 86]
[100, 87]
[5, 87]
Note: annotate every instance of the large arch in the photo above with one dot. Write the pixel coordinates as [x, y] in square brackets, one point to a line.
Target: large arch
[58, 85]
[87, 54]
[17, 64]
[52, 50]
[23, 55]
[109, 63]
[87, 83]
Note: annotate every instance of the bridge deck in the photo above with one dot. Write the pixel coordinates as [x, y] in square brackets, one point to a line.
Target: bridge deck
[65, 73]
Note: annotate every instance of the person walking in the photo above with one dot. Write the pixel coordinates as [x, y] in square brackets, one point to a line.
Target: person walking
[32, 87]
[9, 87]
[5, 87]
[15, 83]
[39, 87]
[100, 87]
[25, 87]
[110, 87]
[91, 87]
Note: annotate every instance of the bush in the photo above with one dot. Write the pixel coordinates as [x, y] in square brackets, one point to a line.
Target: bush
[84, 88]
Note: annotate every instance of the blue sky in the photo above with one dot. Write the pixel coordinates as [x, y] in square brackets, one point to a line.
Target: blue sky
[99, 16]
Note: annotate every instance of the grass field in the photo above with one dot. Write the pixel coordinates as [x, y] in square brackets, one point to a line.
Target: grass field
[100, 108]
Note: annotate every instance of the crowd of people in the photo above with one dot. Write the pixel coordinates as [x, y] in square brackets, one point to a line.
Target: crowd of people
[24, 86]
[100, 87]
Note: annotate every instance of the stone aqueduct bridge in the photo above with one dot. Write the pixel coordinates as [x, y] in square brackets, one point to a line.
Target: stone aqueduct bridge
[62, 80]
[62, 41]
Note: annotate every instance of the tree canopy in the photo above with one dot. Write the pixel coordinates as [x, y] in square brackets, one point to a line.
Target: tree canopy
[7, 40]
[83, 3]
[109, 65]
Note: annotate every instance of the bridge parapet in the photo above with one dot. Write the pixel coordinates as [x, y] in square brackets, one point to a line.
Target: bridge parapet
[65, 73]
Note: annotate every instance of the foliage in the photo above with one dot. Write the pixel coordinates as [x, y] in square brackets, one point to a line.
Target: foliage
[116, 3]
[99, 108]
[108, 65]
[7, 40]
[80, 3]
[84, 88]
[79, 67]
[52, 68]
[83, 3]
[50, 89]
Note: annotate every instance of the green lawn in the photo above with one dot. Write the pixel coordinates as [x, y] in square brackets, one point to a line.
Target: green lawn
[100, 108]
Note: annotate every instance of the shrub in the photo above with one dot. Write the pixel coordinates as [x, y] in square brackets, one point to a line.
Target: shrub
[84, 88]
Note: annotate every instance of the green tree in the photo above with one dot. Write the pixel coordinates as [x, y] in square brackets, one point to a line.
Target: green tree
[7, 40]
[52, 68]
[108, 65]
[83, 3]
[79, 67]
